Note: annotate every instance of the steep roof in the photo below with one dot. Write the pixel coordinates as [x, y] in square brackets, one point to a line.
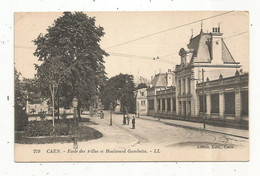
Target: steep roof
[201, 47]
[141, 79]
[159, 80]
[202, 52]
[226, 55]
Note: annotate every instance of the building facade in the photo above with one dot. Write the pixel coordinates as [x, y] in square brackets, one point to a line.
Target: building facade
[160, 82]
[225, 97]
[205, 58]
[208, 74]
[141, 101]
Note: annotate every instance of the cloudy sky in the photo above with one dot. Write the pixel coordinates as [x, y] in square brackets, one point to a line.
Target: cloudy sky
[133, 38]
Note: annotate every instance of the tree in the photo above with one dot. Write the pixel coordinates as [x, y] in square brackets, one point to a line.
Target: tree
[141, 85]
[72, 60]
[31, 86]
[20, 103]
[120, 87]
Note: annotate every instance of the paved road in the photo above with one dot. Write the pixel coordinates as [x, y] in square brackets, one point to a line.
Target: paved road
[174, 142]
[157, 133]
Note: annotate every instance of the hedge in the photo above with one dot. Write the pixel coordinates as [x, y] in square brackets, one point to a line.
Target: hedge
[44, 128]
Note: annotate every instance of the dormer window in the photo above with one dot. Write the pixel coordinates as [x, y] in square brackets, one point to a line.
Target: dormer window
[216, 42]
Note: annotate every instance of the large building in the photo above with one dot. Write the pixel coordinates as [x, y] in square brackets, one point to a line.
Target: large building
[207, 75]
[206, 52]
[160, 82]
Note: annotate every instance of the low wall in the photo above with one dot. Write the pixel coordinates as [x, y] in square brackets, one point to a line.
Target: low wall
[226, 122]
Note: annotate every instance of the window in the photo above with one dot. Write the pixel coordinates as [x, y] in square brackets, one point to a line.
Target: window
[151, 104]
[189, 86]
[174, 104]
[142, 94]
[184, 87]
[201, 103]
[216, 42]
[168, 104]
[163, 104]
[179, 91]
[143, 103]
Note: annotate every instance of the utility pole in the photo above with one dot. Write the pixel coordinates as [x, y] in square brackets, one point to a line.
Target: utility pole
[203, 97]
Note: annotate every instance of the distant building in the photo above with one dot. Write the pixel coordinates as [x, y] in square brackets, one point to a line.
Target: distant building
[139, 79]
[161, 81]
[141, 101]
[118, 106]
[36, 108]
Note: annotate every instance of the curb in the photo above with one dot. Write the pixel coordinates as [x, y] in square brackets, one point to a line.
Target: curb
[196, 128]
[131, 144]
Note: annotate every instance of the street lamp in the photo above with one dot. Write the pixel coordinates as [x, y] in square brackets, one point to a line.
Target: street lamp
[138, 113]
[75, 105]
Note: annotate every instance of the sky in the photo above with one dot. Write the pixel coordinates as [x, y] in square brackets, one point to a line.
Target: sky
[136, 57]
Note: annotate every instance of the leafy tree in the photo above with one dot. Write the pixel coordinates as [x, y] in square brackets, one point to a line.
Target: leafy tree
[141, 85]
[120, 87]
[31, 87]
[72, 60]
[20, 103]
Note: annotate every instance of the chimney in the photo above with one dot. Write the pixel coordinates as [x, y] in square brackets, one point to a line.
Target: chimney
[216, 29]
[216, 46]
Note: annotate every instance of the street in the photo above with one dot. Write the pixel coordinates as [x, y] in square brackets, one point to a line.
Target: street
[155, 132]
[151, 138]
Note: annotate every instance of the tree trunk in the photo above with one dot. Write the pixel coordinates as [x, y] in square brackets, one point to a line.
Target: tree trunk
[58, 104]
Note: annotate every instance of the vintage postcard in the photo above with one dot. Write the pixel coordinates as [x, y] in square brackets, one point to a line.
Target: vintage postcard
[131, 86]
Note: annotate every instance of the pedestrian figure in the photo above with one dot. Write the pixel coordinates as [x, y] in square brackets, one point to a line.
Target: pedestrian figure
[102, 115]
[124, 120]
[128, 119]
[133, 122]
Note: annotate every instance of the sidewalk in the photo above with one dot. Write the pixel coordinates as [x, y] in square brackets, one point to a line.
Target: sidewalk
[113, 138]
[194, 125]
[112, 135]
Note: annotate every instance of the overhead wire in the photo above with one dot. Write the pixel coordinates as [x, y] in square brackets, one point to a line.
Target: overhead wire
[144, 57]
[137, 57]
[151, 58]
[164, 60]
[166, 30]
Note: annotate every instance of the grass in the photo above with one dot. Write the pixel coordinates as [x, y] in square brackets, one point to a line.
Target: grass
[84, 134]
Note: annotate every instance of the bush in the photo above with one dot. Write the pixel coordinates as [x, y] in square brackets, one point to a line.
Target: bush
[21, 118]
[62, 129]
[44, 128]
[41, 128]
[64, 116]
[42, 115]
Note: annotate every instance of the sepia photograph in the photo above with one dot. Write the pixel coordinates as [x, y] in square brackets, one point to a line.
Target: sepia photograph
[131, 86]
